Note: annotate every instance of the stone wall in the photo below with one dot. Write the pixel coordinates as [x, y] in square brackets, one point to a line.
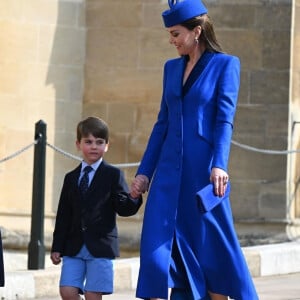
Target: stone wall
[42, 46]
[66, 59]
[262, 41]
[126, 49]
[123, 84]
[294, 122]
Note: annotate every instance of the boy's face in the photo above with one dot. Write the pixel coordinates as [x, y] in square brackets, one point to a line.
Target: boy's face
[92, 148]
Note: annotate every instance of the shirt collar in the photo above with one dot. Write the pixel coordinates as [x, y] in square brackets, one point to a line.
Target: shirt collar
[94, 166]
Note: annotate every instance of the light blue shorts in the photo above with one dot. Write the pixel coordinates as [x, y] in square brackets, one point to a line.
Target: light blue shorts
[87, 273]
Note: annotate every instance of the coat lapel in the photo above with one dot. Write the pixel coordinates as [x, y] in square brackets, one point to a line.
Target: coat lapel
[197, 71]
[75, 177]
[177, 77]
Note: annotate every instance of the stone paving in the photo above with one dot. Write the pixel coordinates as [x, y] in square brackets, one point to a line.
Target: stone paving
[283, 287]
[275, 269]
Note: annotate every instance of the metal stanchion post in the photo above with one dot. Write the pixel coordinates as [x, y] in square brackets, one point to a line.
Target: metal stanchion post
[36, 249]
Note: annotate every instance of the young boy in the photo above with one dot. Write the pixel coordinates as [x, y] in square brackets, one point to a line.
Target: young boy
[85, 234]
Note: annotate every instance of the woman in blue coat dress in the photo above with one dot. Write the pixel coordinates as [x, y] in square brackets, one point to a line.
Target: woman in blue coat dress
[188, 239]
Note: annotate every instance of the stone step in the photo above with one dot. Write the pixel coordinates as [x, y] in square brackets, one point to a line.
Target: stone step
[264, 260]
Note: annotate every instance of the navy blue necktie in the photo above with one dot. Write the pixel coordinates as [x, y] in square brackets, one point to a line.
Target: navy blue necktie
[84, 181]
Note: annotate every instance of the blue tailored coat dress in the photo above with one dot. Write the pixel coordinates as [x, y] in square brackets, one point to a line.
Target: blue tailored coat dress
[182, 246]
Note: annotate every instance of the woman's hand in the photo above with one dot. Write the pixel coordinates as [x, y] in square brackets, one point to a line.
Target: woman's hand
[139, 186]
[220, 179]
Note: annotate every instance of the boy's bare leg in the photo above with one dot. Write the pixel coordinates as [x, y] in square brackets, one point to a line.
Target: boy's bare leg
[69, 293]
[92, 296]
[217, 296]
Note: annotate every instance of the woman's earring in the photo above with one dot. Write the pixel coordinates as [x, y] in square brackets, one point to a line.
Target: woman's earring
[196, 40]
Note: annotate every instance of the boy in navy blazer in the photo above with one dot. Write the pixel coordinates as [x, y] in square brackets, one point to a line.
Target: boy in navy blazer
[85, 236]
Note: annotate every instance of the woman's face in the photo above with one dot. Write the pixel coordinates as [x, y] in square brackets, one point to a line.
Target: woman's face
[183, 39]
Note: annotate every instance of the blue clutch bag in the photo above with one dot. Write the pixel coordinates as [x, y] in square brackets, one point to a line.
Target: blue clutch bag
[208, 200]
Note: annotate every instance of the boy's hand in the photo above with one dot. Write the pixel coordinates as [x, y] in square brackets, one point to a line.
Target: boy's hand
[139, 186]
[55, 257]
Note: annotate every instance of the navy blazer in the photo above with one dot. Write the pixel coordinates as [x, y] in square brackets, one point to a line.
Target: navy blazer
[92, 221]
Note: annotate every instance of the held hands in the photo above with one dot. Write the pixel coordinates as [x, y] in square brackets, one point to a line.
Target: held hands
[139, 186]
[55, 257]
[220, 179]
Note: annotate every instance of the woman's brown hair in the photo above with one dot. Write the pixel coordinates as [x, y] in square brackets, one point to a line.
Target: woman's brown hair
[208, 36]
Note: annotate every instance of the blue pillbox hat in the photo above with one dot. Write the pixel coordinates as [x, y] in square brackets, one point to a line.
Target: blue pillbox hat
[183, 10]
